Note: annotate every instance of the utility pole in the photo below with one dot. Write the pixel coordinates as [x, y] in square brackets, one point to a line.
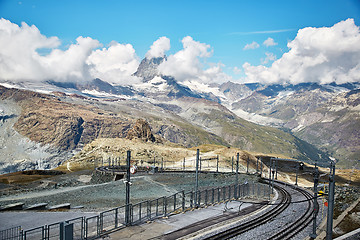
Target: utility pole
[127, 184]
[197, 177]
[237, 174]
[297, 170]
[329, 225]
[247, 165]
[316, 205]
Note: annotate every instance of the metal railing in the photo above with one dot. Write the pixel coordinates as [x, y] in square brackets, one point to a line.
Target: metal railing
[13, 233]
[107, 221]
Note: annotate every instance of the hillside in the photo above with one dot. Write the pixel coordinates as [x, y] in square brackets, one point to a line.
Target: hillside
[66, 123]
[327, 116]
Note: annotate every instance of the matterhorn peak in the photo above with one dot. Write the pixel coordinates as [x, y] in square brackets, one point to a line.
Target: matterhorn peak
[148, 68]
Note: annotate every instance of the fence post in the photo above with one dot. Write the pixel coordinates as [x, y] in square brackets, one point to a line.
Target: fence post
[191, 199]
[157, 207]
[165, 205]
[140, 208]
[175, 202]
[184, 164]
[212, 195]
[206, 196]
[148, 209]
[101, 222]
[229, 194]
[82, 234]
[183, 200]
[232, 164]
[116, 217]
[224, 193]
[217, 164]
[199, 198]
[247, 165]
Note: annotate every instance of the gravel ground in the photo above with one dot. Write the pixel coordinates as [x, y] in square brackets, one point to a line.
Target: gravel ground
[99, 197]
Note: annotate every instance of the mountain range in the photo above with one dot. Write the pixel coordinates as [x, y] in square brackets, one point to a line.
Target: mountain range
[53, 120]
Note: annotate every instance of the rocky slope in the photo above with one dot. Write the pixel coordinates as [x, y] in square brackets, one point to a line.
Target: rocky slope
[326, 116]
[66, 123]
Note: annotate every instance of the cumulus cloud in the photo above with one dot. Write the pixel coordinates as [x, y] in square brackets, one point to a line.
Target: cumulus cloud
[159, 48]
[269, 57]
[189, 64]
[323, 55]
[252, 45]
[115, 64]
[237, 70]
[270, 42]
[20, 59]
[23, 60]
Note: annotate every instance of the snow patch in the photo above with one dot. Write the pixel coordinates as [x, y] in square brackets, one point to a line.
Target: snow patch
[258, 119]
[103, 94]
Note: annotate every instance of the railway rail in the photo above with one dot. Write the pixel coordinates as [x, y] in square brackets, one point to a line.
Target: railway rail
[302, 222]
[280, 206]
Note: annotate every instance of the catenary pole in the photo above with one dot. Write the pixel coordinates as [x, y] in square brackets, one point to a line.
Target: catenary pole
[127, 183]
[329, 225]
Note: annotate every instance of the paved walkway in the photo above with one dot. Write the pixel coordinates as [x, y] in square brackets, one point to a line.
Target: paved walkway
[162, 226]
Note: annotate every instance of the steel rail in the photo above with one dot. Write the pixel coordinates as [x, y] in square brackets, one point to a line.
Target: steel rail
[262, 219]
[299, 224]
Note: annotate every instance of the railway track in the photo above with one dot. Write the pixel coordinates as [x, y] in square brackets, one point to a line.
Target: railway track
[253, 223]
[301, 223]
[280, 206]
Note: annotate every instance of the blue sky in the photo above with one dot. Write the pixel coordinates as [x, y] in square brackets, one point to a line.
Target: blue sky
[227, 26]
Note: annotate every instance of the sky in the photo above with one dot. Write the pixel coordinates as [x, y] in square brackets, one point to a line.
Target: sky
[205, 41]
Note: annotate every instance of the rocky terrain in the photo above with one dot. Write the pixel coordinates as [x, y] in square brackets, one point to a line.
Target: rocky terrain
[64, 124]
[326, 116]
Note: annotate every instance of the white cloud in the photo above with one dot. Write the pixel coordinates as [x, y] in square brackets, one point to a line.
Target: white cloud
[252, 45]
[115, 64]
[269, 57]
[323, 55]
[237, 70]
[189, 64]
[20, 59]
[159, 48]
[270, 42]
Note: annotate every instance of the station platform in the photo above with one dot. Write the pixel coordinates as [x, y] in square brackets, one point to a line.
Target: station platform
[178, 225]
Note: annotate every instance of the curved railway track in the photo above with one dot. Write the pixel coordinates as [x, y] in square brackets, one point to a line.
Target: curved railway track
[253, 223]
[301, 223]
[285, 233]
